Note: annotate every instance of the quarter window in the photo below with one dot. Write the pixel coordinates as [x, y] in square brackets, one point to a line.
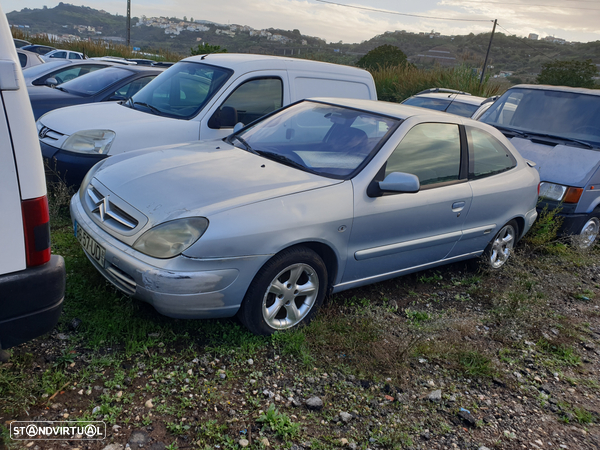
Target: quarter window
[250, 101]
[431, 151]
[488, 155]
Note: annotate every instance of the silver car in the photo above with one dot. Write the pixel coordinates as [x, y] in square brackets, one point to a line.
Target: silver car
[319, 197]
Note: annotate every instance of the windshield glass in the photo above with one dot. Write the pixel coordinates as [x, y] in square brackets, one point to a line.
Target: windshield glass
[95, 82]
[329, 140]
[182, 90]
[563, 114]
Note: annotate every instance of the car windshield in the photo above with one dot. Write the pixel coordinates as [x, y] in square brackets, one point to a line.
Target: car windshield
[329, 140]
[95, 82]
[570, 115]
[182, 90]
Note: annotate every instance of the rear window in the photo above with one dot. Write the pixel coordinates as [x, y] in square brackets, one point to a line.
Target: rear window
[95, 82]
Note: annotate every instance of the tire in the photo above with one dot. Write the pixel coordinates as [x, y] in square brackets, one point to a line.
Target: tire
[499, 249]
[286, 292]
[588, 234]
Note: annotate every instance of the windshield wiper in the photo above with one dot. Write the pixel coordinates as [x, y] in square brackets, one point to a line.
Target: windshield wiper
[566, 140]
[283, 159]
[60, 88]
[514, 133]
[154, 109]
[244, 143]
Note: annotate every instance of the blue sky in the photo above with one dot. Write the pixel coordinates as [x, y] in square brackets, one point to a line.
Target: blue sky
[573, 20]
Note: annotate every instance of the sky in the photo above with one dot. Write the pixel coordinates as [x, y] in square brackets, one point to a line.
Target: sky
[573, 20]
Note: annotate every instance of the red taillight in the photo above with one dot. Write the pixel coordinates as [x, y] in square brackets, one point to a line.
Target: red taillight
[36, 224]
[539, 184]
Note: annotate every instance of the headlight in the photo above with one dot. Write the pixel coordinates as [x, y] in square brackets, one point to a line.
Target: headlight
[90, 141]
[171, 238]
[552, 191]
[560, 193]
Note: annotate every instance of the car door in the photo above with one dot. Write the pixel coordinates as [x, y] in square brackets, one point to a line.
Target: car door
[496, 190]
[249, 99]
[393, 232]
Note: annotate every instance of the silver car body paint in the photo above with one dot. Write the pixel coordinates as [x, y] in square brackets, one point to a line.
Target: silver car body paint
[257, 207]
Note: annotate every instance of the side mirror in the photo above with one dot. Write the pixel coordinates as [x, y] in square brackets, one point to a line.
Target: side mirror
[400, 182]
[51, 82]
[238, 126]
[225, 117]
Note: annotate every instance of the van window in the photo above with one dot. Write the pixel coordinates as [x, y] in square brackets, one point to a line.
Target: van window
[306, 87]
[250, 101]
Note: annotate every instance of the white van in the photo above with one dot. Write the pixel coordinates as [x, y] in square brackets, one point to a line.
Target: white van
[202, 97]
[32, 281]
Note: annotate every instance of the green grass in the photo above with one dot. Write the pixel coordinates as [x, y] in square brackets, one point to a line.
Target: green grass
[279, 423]
[560, 354]
[476, 364]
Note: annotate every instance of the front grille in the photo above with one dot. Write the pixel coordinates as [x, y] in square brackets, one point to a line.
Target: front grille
[104, 210]
[48, 133]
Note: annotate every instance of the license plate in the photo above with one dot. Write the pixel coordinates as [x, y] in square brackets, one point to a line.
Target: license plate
[91, 247]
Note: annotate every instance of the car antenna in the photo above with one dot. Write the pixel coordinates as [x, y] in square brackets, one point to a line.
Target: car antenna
[204, 56]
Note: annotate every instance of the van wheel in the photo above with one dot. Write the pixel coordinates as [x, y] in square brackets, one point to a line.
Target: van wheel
[588, 234]
[286, 292]
[499, 249]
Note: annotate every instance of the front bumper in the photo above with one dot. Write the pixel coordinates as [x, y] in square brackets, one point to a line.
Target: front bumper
[571, 222]
[180, 287]
[31, 302]
[69, 167]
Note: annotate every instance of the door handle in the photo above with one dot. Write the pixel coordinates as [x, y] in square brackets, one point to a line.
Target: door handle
[458, 206]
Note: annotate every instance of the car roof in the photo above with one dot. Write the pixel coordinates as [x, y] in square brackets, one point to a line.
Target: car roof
[462, 98]
[395, 110]
[252, 61]
[547, 87]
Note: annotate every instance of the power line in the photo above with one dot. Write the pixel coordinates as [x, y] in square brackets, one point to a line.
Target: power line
[525, 43]
[521, 4]
[403, 14]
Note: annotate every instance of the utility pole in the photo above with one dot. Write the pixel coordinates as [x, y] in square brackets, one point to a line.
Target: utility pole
[488, 52]
[128, 22]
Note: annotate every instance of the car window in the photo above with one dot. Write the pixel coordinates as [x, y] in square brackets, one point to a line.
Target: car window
[325, 139]
[430, 103]
[462, 109]
[182, 90]
[431, 151]
[23, 59]
[95, 82]
[488, 155]
[59, 55]
[74, 56]
[132, 88]
[250, 101]
[69, 73]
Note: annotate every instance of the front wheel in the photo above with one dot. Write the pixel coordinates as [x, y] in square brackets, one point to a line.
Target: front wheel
[588, 234]
[500, 248]
[286, 292]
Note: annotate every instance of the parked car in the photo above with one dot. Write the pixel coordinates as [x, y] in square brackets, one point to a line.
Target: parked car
[39, 49]
[201, 97]
[20, 42]
[321, 196]
[448, 100]
[114, 59]
[62, 54]
[558, 128]
[57, 72]
[32, 280]
[110, 84]
[28, 59]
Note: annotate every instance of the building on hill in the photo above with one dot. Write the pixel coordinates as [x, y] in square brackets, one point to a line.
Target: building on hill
[533, 36]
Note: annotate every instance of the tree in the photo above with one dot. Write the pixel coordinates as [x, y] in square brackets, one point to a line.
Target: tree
[568, 73]
[203, 49]
[185, 18]
[384, 55]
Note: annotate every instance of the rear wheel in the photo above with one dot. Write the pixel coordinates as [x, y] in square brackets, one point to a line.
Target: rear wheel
[287, 291]
[500, 248]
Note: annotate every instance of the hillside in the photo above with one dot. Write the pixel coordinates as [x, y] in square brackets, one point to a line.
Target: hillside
[521, 56]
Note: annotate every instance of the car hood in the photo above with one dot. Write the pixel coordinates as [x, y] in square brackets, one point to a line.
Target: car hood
[46, 93]
[562, 164]
[199, 179]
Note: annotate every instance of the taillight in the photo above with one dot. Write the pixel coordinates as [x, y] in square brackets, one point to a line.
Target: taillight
[36, 224]
[539, 184]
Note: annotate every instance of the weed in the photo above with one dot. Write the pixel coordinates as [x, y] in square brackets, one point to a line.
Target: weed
[417, 318]
[177, 428]
[543, 234]
[560, 353]
[476, 364]
[432, 279]
[293, 343]
[279, 423]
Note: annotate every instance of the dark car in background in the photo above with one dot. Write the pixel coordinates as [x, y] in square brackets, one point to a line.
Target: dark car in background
[39, 49]
[57, 72]
[558, 128]
[115, 83]
[447, 100]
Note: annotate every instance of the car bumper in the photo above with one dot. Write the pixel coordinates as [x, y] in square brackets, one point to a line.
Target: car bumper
[572, 222]
[69, 167]
[180, 287]
[31, 302]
